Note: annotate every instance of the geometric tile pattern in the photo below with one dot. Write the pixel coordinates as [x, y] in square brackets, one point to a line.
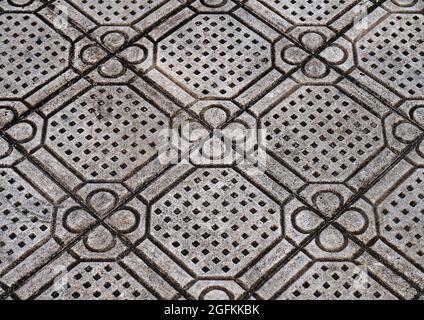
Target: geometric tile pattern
[31, 54]
[89, 209]
[375, 52]
[185, 218]
[224, 55]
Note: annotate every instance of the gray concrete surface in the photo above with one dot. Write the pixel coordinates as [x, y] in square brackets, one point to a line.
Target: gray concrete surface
[212, 149]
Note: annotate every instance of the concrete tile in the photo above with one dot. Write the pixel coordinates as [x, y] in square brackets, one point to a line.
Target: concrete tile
[211, 149]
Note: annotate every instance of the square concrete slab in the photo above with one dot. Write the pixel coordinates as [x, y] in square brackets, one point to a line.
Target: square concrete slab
[212, 149]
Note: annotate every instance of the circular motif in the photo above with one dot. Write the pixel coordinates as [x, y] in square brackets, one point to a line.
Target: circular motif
[92, 54]
[237, 132]
[215, 149]
[7, 115]
[335, 54]
[191, 130]
[405, 3]
[20, 3]
[135, 54]
[124, 221]
[331, 240]
[355, 221]
[312, 40]
[23, 131]
[417, 114]
[214, 115]
[214, 3]
[112, 69]
[420, 149]
[114, 39]
[293, 55]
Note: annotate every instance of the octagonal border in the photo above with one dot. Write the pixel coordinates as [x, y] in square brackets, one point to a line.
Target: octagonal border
[252, 260]
[41, 91]
[186, 96]
[391, 149]
[175, 176]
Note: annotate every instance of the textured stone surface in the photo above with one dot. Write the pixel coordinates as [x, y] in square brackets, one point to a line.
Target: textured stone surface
[214, 55]
[215, 230]
[32, 53]
[98, 201]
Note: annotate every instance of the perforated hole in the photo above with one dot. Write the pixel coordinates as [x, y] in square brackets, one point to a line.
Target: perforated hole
[215, 221]
[214, 55]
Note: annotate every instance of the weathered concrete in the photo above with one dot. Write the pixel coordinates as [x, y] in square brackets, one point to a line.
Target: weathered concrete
[301, 175]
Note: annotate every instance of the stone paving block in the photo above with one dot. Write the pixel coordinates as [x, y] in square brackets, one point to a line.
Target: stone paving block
[389, 53]
[363, 277]
[331, 150]
[38, 216]
[201, 149]
[315, 22]
[391, 209]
